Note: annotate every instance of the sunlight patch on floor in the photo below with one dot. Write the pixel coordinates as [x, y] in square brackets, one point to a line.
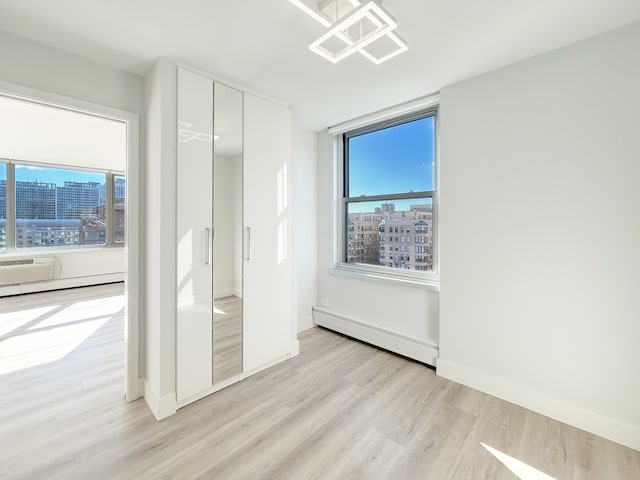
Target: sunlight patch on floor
[520, 469]
[35, 348]
[12, 320]
[78, 311]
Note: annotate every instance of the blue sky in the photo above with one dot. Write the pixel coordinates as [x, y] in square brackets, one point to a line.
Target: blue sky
[55, 175]
[394, 160]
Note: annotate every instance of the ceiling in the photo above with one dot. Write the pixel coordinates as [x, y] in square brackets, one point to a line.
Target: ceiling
[263, 44]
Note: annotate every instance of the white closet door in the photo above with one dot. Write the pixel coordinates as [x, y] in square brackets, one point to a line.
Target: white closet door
[194, 229]
[267, 275]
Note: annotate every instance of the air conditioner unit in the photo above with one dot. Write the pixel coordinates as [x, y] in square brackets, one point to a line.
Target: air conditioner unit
[26, 270]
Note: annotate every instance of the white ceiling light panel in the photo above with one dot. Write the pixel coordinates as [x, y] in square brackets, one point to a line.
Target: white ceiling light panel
[365, 28]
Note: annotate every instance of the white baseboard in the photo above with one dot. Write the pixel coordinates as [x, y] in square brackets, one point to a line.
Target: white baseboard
[60, 284]
[558, 409]
[161, 407]
[295, 349]
[395, 342]
[141, 382]
[228, 292]
[305, 324]
[264, 366]
[224, 292]
[208, 391]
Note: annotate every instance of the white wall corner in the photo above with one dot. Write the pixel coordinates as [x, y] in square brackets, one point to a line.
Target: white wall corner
[139, 392]
[305, 323]
[409, 347]
[561, 410]
[224, 292]
[294, 349]
[161, 407]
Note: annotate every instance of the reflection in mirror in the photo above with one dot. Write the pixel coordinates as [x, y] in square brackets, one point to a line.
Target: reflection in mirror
[227, 220]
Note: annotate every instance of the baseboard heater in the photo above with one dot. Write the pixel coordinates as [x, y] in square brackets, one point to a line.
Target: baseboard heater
[26, 270]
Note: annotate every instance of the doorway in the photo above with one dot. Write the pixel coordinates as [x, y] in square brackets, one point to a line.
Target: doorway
[74, 233]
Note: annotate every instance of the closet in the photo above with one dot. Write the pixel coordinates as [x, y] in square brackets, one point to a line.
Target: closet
[233, 269]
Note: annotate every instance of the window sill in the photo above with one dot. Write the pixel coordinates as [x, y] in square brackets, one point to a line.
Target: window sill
[430, 282]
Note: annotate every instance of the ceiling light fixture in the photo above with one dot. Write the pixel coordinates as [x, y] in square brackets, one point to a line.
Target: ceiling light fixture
[384, 24]
[363, 28]
[313, 13]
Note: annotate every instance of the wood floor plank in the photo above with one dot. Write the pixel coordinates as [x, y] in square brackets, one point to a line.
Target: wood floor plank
[436, 446]
[548, 446]
[326, 443]
[227, 338]
[412, 409]
[341, 409]
[370, 455]
[501, 426]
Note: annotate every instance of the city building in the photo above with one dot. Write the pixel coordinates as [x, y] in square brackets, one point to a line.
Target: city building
[51, 215]
[391, 238]
[363, 240]
[3, 199]
[49, 233]
[77, 200]
[406, 239]
[119, 187]
[36, 200]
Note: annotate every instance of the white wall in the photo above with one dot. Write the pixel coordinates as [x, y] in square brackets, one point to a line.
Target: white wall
[396, 310]
[227, 251]
[35, 65]
[223, 282]
[74, 268]
[540, 233]
[160, 242]
[305, 235]
[236, 209]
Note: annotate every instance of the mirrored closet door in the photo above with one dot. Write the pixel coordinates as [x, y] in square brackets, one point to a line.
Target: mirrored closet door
[227, 222]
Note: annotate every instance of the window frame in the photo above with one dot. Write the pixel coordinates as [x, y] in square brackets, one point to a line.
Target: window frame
[339, 136]
[11, 247]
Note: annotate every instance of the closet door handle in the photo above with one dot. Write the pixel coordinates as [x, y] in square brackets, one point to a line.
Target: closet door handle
[207, 246]
[248, 243]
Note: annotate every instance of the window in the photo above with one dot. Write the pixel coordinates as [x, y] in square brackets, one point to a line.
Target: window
[59, 207]
[119, 207]
[3, 206]
[389, 177]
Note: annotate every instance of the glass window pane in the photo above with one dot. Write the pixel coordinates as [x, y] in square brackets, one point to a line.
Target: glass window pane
[396, 159]
[366, 242]
[3, 205]
[59, 207]
[119, 205]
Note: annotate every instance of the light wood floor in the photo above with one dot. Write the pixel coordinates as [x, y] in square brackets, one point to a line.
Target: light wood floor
[227, 338]
[340, 410]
